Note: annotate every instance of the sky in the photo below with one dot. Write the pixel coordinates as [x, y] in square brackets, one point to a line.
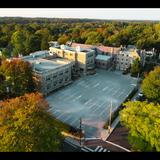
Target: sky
[91, 13]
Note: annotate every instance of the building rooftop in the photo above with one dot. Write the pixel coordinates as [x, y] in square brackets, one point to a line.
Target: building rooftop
[101, 47]
[41, 64]
[103, 57]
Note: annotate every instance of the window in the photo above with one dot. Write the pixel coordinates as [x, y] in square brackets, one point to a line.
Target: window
[66, 79]
[121, 62]
[48, 87]
[48, 78]
[60, 81]
[89, 55]
[54, 76]
[61, 73]
[66, 71]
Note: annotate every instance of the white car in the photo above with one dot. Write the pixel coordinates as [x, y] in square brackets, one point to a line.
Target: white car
[140, 94]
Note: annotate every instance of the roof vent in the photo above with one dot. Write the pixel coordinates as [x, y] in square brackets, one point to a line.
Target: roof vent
[78, 49]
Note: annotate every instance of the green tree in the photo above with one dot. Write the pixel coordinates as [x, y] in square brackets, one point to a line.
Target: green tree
[44, 37]
[135, 67]
[5, 53]
[18, 41]
[32, 44]
[94, 38]
[27, 126]
[151, 85]
[143, 121]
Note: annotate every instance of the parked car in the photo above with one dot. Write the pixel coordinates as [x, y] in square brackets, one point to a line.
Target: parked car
[140, 94]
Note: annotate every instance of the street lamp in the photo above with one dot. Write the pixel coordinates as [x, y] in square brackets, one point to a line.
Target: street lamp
[110, 119]
[80, 127]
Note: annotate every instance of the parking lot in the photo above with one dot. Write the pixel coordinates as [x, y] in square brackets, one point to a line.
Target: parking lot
[90, 98]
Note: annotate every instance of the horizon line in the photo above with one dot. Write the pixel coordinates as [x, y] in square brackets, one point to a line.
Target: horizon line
[81, 18]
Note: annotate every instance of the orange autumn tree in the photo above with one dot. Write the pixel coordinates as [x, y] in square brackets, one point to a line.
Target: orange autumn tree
[18, 78]
[25, 125]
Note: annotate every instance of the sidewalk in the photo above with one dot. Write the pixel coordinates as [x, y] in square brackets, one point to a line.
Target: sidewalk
[106, 133]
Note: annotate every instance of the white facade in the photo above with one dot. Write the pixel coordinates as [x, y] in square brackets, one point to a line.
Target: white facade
[50, 74]
[125, 58]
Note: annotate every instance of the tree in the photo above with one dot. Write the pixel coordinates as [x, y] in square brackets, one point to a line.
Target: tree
[43, 35]
[4, 41]
[18, 75]
[27, 126]
[94, 38]
[151, 85]
[5, 53]
[18, 41]
[143, 121]
[135, 67]
[63, 39]
[32, 43]
[2, 86]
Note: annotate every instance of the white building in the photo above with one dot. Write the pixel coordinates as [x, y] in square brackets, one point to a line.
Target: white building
[49, 74]
[125, 58]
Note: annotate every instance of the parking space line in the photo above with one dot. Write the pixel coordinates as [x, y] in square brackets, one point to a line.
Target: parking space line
[72, 123]
[58, 117]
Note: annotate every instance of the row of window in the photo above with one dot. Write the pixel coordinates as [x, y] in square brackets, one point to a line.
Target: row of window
[124, 55]
[56, 83]
[48, 78]
[99, 63]
[124, 63]
[122, 59]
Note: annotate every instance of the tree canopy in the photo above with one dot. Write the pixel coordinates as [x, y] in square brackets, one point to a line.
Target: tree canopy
[18, 78]
[135, 67]
[151, 85]
[27, 126]
[25, 35]
[143, 121]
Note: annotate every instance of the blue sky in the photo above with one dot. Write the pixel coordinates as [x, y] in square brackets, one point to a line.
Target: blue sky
[97, 13]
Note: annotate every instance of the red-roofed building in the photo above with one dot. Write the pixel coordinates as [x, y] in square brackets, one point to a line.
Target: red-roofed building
[99, 49]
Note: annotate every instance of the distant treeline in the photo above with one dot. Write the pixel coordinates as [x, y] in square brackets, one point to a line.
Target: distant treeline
[24, 20]
[24, 35]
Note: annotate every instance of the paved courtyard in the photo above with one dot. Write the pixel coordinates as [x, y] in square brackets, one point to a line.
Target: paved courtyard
[90, 98]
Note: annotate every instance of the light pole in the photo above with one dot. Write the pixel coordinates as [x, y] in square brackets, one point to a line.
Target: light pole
[80, 127]
[110, 118]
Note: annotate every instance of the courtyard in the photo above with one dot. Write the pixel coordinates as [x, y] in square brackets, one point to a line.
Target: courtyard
[90, 98]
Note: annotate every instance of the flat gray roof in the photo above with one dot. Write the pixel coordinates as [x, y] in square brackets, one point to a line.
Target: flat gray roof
[103, 57]
[42, 64]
